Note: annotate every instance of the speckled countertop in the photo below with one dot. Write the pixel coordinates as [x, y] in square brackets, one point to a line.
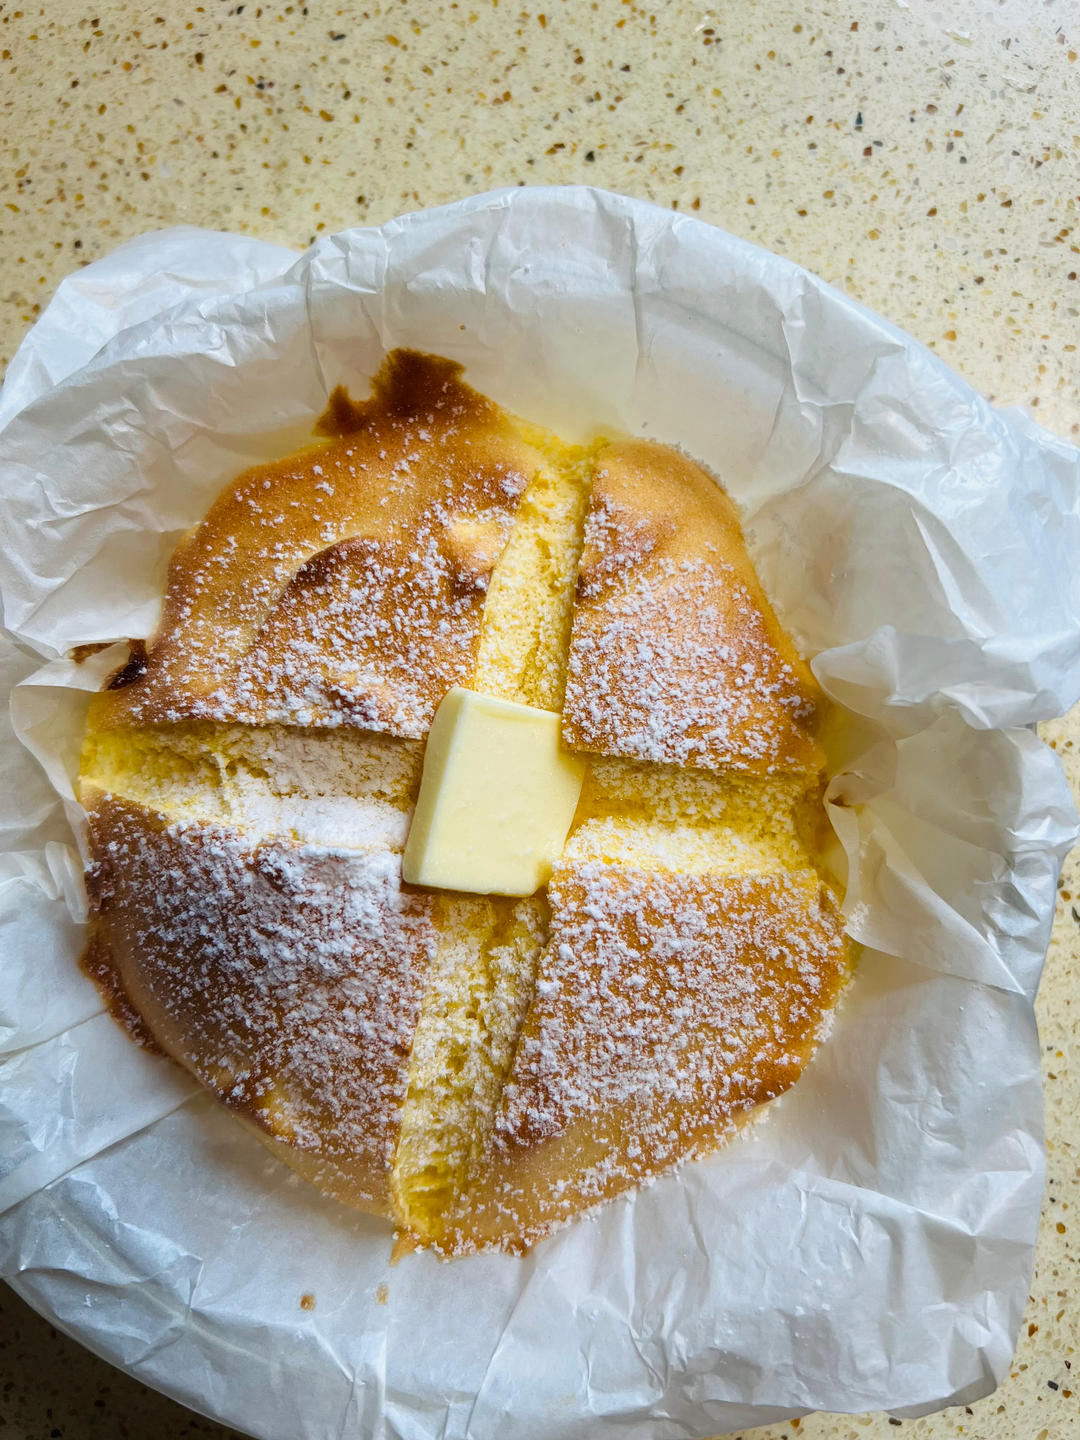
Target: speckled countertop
[923, 156]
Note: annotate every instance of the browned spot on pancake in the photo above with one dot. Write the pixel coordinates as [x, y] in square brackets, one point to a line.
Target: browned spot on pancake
[133, 668]
[81, 653]
[409, 382]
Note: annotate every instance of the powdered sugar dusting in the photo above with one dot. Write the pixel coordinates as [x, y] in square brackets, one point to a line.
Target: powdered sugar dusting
[250, 785]
[336, 821]
[675, 654]
[687, 998]
[345, 585]
[338, 787]
[676, 666]
[359, 633]
[288, 976]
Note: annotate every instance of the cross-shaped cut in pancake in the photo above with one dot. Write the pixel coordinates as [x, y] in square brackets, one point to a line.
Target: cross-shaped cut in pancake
[676, 654]
[477, 1068]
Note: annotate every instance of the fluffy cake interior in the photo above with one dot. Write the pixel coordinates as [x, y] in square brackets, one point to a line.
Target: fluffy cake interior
[353, 789]
[525, 631]
[477, 995]
[347, 788]
[482, 983]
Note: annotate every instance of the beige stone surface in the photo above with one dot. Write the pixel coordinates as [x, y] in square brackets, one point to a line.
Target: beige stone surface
[923, 156]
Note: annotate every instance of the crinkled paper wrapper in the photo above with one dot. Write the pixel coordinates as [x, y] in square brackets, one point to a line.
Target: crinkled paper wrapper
[869, 1245]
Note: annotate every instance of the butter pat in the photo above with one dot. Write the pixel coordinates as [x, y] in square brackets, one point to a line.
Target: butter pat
[496, 799]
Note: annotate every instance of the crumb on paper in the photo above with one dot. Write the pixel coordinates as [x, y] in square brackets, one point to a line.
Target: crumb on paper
[81, 653]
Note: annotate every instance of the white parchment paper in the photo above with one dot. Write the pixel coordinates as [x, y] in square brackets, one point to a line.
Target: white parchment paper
[868, 1245]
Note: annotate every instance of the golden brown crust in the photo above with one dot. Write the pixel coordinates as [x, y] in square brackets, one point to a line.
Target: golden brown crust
[99, 964]
[676, 655]
[666, 1008]
[249, 913]
[286, 978]
[344, 584]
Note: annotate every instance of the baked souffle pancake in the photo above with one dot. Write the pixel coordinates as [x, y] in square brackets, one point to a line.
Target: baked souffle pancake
[461, 827]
